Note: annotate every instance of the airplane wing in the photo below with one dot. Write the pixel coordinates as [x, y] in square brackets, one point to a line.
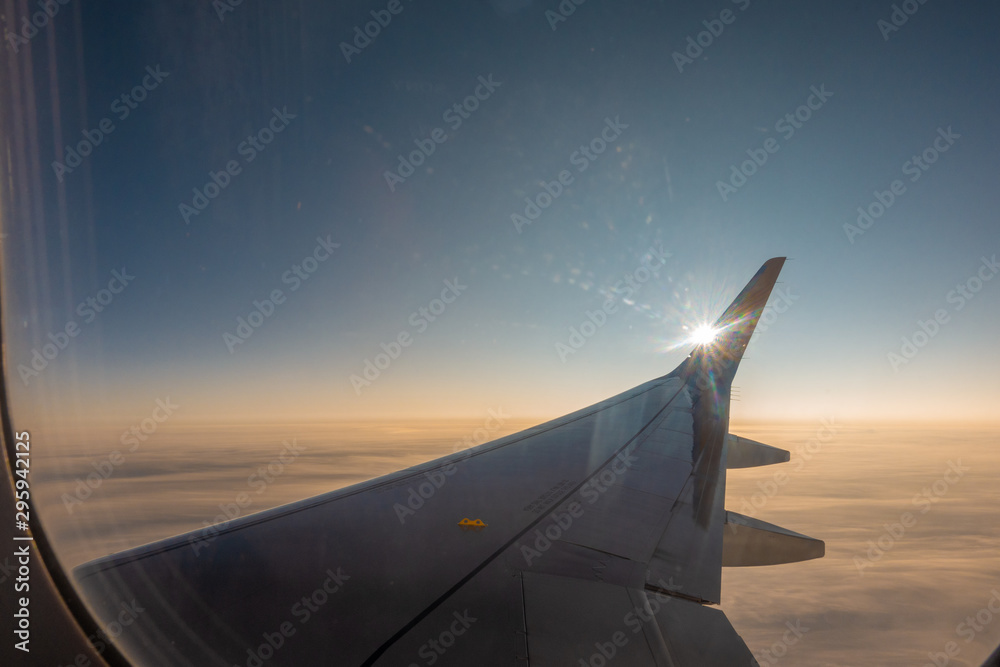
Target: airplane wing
[594, 537]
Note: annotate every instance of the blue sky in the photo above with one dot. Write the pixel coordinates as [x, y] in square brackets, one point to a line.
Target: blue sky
[671, 135]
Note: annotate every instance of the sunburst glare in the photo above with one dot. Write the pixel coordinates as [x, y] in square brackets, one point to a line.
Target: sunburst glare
[703, 335]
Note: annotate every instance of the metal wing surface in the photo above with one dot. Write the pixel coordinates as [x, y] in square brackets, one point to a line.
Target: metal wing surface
[597, 536]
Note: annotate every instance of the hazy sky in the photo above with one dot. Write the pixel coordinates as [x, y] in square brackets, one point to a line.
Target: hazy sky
[643, 125]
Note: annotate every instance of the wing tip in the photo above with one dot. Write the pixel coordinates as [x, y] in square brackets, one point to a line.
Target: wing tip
[753, 297]
[736, 325]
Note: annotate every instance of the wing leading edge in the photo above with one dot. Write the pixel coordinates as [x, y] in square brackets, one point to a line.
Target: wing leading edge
[601, 533]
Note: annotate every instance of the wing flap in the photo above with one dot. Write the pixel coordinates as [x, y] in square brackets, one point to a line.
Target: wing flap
[700, 635]
[564, 630]
[634, 627]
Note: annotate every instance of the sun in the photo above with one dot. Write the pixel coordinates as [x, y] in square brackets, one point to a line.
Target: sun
[704, 334]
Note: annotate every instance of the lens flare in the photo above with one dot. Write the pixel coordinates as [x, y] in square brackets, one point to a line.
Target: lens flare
[704, 334]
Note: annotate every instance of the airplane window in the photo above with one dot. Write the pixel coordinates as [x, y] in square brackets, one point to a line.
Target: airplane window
[503, 332]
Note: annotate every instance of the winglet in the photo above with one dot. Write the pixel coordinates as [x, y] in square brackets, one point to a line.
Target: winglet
[736, 325]
[720, 357]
